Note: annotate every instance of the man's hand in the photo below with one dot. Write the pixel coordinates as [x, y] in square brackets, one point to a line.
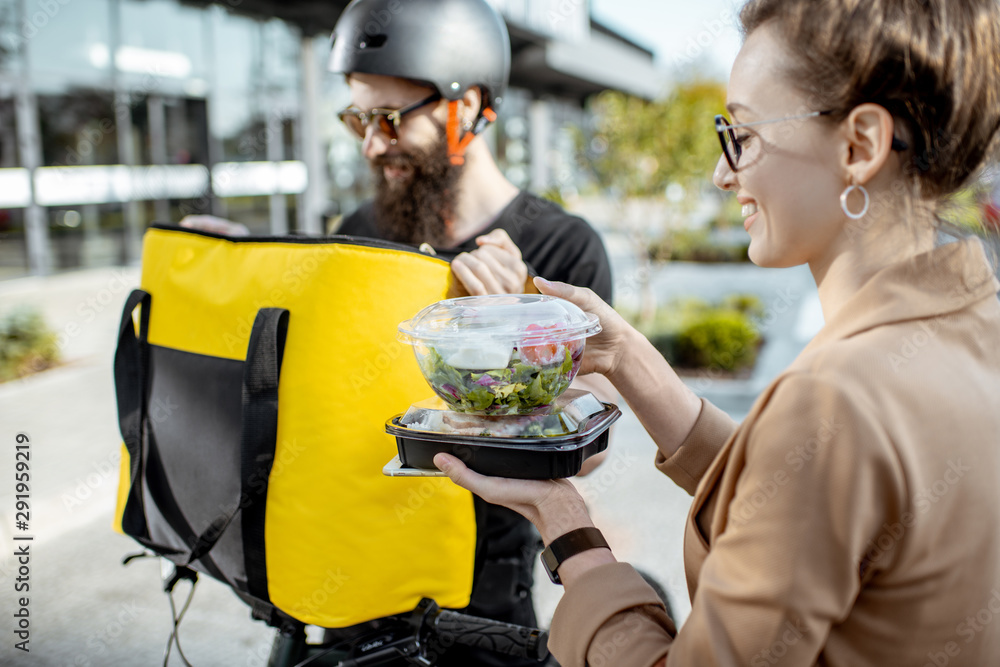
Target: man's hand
[211, 223]
[495, 267]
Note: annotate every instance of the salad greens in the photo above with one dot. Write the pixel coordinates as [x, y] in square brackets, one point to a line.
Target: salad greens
[520, 388]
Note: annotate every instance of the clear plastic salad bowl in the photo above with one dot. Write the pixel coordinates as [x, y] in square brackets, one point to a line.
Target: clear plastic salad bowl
[501, 354]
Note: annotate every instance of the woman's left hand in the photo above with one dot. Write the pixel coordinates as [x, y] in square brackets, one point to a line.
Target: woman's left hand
[554, 506]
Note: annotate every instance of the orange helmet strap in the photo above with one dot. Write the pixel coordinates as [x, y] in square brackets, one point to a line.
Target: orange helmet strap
[457, 143]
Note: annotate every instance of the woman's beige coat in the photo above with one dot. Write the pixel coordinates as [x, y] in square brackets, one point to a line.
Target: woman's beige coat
[853, 518]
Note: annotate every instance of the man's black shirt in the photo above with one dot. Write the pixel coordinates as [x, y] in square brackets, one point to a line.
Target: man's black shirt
[555, 244]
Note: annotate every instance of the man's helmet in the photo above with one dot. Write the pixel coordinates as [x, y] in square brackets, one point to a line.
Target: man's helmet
[449, 44]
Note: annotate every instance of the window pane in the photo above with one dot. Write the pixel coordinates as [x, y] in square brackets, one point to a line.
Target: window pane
[78, 128]
[70, 48]
[13, 251]
[162, 47]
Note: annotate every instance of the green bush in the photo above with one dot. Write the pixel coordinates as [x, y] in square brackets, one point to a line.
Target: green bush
[693, 334]
[720, 339]
[696, 245]
[27, 345]
[748, 304]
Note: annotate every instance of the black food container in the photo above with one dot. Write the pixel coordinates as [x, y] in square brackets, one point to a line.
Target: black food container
[519, 457]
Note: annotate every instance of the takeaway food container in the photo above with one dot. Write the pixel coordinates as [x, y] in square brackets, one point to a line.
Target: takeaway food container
[499, 354]
[551, 443]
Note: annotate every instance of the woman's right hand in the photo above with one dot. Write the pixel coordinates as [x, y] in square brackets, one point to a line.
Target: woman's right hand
[604, 351]
[667, 408]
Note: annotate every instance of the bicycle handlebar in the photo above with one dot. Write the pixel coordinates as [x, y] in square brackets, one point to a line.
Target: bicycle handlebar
[420, 636]
[497, 636]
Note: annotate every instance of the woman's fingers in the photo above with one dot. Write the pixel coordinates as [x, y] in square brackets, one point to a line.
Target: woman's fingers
[603, 350]
[458, 472]
[521, 495]
[510, 493]
[583, 297]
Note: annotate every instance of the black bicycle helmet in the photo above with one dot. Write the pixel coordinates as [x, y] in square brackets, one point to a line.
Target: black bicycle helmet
[452, 45]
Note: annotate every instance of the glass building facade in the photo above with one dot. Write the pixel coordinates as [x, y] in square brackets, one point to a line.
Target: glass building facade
[118, 113]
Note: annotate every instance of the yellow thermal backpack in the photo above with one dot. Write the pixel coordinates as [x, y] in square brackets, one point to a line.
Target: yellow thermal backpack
[254, 376]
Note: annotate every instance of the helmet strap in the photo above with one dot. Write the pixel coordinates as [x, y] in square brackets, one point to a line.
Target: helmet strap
[457, 143]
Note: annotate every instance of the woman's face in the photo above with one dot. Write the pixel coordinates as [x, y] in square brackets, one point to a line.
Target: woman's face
[788, 180]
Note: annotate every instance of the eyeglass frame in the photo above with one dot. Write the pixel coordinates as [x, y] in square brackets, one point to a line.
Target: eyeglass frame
[393, 116]
[722, 126]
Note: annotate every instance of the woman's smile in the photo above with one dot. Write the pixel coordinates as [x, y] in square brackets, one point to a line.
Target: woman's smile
[749, 212]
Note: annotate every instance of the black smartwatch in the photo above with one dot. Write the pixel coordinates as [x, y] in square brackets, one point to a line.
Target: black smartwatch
[570, 544]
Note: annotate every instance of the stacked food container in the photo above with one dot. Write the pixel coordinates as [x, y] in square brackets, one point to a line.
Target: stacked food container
[500, 367]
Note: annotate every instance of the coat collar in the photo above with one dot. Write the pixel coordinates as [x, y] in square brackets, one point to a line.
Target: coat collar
[943, 280]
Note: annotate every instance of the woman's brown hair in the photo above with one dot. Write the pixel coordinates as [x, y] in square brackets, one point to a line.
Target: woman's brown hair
[933, 64]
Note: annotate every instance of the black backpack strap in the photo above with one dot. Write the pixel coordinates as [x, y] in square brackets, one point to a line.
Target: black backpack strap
[260, 416]
[131, 387]
[260, 437]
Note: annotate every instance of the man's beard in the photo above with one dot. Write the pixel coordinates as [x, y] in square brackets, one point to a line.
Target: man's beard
[419, 209]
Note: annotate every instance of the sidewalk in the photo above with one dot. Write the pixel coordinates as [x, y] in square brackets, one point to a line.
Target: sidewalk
[86, 609]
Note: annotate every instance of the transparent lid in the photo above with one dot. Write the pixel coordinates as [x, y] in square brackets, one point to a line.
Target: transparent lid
[563, 417]
[500, 318]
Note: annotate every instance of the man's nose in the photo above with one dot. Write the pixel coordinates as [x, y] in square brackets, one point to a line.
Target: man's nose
[375, 143]
[723, 176]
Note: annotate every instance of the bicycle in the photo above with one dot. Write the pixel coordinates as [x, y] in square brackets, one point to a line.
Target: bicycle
[418, 637]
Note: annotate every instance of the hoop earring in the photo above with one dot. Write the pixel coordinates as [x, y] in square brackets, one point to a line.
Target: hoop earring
[843, 202]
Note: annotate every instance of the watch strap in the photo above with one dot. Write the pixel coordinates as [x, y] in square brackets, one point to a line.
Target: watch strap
[569, 545]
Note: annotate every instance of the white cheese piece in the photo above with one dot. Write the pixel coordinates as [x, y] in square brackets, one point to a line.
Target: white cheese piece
[478, 358]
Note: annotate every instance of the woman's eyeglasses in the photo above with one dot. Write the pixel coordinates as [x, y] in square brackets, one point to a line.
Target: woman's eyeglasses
[732, 145]
[388, 119]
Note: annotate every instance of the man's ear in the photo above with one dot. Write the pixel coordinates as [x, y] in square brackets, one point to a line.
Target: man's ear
[868, 130]
[472, 101]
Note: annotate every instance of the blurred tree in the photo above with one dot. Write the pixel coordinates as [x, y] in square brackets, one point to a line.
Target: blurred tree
[638, 148]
